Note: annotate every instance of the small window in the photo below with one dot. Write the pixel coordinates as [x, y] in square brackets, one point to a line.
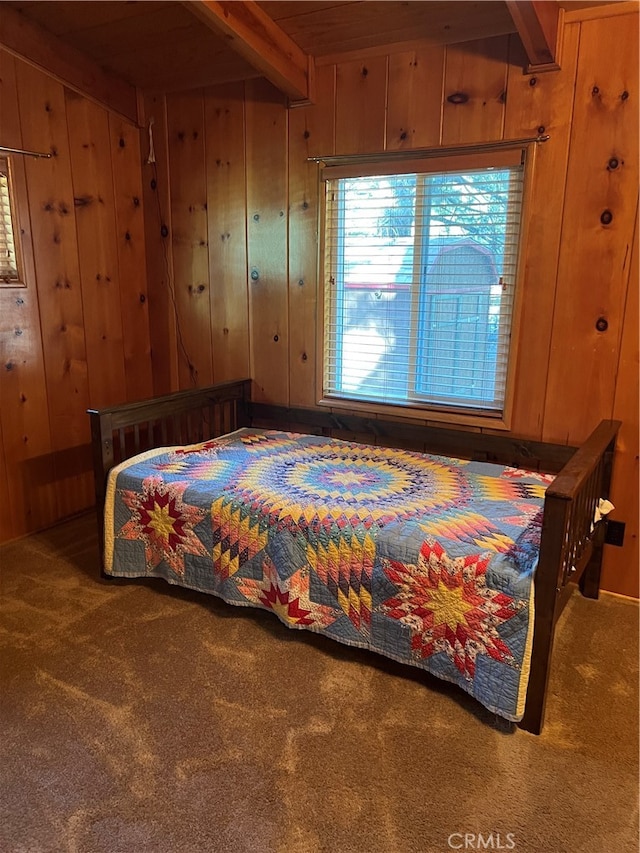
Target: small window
[420, 279]
[10, 260]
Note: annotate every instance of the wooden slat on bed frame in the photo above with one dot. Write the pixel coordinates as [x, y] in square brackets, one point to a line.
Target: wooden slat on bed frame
[571, 545]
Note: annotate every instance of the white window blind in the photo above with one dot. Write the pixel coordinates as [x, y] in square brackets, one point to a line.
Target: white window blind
[9, 266]
[420, 273]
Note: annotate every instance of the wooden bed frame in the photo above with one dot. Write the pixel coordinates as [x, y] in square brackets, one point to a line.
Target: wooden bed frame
[571, 546]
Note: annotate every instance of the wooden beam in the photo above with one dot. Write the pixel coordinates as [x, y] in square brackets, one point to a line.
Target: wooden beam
[31, 42]
[259, 40]
[538, 25]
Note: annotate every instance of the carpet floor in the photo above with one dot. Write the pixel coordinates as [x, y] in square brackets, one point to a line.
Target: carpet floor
[136, 717]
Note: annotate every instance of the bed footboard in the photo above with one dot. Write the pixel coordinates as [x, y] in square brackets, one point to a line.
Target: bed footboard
[186, 417]
[570, 552]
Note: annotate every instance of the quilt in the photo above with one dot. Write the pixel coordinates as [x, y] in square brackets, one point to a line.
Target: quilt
[425, 559]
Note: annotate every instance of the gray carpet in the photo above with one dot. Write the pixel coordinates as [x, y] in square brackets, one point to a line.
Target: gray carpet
[142, 718]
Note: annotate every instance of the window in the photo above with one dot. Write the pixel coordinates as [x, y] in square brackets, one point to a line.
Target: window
[420, 281]
[10, 261]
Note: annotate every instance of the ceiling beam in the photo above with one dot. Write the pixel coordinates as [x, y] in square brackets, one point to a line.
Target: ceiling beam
[33, 43]
[258, 39]
[539, 26]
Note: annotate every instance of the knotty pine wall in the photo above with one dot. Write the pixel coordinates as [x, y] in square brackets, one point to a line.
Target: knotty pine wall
[230, 230]
[78, 334]
[240, 207]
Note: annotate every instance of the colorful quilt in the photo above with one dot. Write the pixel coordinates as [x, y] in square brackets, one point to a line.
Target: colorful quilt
[425, 559]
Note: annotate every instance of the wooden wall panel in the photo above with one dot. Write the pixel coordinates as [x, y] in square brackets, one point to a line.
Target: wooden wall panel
[361, 101]
[26, 436]
[620, 566]
[159, 252]
[57, 272]
[188, 186]
[541, 104]
[476, 72]
[600, 204]
[57, 282]
[88, 126]
[311, 134]
[414, 98]
[28, 465]
[267, 205]
[130, 241]
[227, 218]
[44, 386]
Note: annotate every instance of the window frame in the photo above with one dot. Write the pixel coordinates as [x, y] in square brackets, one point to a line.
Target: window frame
[396, 163]
[16, 230]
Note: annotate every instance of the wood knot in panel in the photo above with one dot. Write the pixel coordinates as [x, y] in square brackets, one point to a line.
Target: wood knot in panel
[458, 98]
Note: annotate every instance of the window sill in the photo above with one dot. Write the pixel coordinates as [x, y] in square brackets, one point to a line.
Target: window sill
[419, 414]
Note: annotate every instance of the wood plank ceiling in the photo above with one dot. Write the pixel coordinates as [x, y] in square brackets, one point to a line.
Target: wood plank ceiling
[163, 46]
[172, 46]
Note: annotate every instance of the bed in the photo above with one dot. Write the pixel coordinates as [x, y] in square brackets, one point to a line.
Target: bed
[447, 550]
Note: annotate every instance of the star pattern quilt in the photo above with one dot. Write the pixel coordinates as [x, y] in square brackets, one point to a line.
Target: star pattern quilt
[424, 559]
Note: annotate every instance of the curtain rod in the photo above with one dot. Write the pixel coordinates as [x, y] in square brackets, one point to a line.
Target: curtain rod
[414, 153]
[5, 150]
